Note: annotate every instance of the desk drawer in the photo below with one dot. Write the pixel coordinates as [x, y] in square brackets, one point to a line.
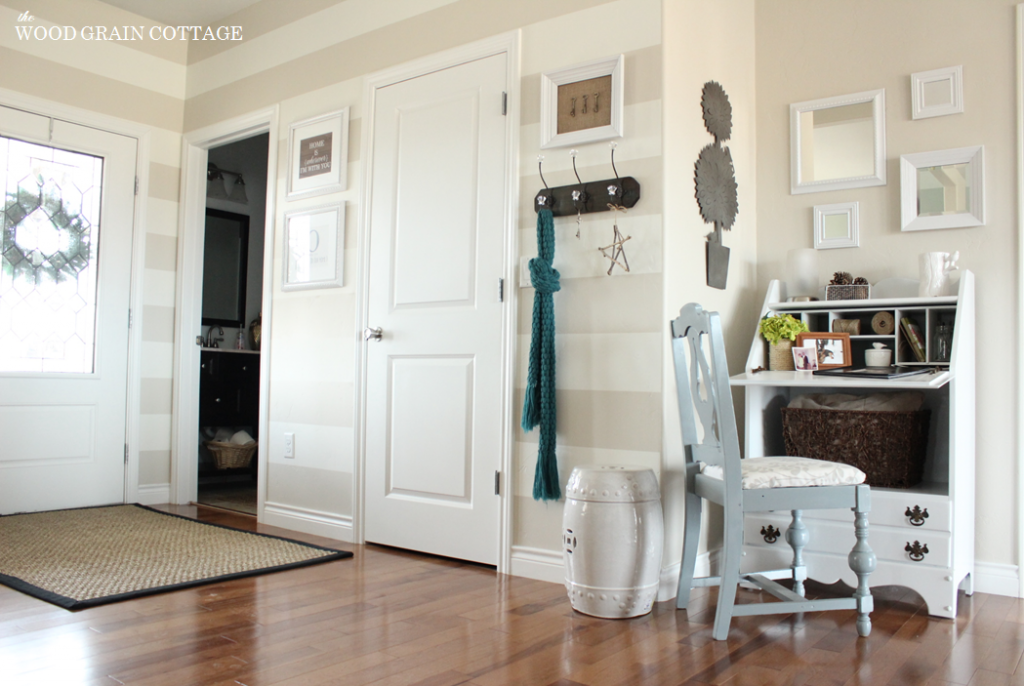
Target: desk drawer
[890, 507]
[837, 538]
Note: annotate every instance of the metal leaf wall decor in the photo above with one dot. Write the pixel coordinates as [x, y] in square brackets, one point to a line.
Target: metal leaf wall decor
[715, 182]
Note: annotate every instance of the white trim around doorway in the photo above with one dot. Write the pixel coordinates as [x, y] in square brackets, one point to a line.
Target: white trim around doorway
[141, 133]
[508, 43]
[188, 305]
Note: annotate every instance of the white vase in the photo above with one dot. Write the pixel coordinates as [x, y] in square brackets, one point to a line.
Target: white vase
[935, 268]
[612, 538]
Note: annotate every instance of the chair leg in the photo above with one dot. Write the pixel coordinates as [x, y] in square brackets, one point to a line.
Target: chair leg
[798, 537]
[732, 550]
[862, 561]
[691, 538]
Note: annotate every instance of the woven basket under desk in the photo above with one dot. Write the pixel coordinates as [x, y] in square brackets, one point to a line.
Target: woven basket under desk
[890, 447]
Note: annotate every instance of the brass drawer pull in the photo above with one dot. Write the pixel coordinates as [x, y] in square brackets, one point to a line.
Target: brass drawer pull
[771, 534]
[917, 551]
[917, 515]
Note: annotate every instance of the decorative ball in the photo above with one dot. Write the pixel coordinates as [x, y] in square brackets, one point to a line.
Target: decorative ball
[717, 111]
[716, 190]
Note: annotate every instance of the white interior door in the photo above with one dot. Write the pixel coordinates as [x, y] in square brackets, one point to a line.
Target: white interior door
[65, 272]
[434, 383]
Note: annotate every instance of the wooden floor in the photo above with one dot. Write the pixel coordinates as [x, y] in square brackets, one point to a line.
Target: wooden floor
[393, 618]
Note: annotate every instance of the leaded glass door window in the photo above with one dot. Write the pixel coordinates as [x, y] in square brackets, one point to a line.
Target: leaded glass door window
[48, 258]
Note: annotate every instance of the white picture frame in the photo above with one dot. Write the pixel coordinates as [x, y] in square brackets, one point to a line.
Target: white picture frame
[550, 82]
[937, 92]
[837, 225]
[968, 181]
[312, 145]
[314, 248]
[869, 155]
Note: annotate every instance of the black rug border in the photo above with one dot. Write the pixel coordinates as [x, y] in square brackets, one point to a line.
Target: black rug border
[73, 605]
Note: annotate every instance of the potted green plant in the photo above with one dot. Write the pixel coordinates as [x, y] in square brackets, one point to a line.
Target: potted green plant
[781, 331]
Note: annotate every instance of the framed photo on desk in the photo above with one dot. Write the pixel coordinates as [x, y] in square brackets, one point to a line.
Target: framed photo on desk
[833, 348]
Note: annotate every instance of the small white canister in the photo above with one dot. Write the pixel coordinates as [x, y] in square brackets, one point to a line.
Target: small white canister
[879, 357]
[613, 533]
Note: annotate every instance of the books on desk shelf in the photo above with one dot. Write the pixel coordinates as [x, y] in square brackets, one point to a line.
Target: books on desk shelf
[912, 332]
[893, 372]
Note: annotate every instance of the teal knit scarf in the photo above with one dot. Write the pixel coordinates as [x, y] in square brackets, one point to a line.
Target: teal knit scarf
[539, 405]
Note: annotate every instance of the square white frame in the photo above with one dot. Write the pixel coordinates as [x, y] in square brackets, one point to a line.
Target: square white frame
[549, 83]
[851, 210]
[338, 255]
[335, 123]
[876, 178]
[952, 76]
[909, 164]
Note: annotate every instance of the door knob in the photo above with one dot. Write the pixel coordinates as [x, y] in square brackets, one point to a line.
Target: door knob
[373, 334]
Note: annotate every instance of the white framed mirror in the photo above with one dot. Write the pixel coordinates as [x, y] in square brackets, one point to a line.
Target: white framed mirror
[837, 142]
[944, 189]
[837, 225]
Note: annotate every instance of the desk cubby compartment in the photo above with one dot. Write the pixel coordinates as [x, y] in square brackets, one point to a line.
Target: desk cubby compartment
[911, 336]
[938, 317]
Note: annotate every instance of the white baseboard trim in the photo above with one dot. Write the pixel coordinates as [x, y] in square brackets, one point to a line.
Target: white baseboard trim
[996, 579]
[154, 494]
[668, 586]
[316, 522]
[538, 563]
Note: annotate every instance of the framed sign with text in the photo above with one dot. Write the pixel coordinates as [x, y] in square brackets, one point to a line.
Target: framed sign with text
[314, 248]
[318, 155]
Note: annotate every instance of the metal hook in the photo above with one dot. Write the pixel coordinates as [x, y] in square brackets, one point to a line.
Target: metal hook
[584, 104]
[572, 112]
[543, 200]
[597, 101]
[572, 153]
[616, 188]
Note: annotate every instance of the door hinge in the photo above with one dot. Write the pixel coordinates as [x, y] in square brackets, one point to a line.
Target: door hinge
[504, 103]
[126, 453]
[497, 482]
[501, 290]
[136, 185]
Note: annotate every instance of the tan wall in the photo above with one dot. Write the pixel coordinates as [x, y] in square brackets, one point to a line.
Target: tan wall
[143, 82]
[603, 322]
[807, 49]
[705, 41]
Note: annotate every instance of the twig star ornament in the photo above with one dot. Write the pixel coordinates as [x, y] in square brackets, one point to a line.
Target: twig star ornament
[715, 182]
[617, 251]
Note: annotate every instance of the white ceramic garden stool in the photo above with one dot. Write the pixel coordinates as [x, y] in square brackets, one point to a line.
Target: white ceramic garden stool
[613, 534]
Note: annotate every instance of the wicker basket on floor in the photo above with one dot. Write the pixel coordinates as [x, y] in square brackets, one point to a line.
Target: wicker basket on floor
[889, 447]
[231, 455]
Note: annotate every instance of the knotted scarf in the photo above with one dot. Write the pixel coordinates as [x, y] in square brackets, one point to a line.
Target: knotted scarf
[539, 405]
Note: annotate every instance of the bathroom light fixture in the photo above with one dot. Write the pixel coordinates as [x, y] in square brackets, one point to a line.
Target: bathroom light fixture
[223, 184]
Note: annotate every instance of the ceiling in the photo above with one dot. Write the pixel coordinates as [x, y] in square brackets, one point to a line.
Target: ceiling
[183, 12]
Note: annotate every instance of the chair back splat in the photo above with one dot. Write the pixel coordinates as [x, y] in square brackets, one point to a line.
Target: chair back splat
[715, 472]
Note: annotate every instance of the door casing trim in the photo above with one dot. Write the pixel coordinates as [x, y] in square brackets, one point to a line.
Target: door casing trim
[508, 43]
[188, 305]
[141, 133]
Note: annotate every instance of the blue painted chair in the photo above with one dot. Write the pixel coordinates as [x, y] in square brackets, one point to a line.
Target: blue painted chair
[715, 472]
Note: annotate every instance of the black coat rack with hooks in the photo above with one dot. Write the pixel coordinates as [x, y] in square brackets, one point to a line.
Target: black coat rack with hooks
[589, 197]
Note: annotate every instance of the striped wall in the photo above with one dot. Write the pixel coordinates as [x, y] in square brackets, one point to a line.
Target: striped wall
[143, 82]
[608, 413]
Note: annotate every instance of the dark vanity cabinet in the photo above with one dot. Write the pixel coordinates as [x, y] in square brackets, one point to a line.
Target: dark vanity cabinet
[229, 389]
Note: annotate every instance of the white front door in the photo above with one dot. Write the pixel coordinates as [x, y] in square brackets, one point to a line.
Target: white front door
[433, 380]
[65, 273]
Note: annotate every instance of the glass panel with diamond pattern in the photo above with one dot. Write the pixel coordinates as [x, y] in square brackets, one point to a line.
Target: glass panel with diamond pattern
[48, 273]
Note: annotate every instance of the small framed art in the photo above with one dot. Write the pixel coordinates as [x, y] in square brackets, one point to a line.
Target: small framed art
[318, 155]
[581, 104]
[833, 349]
[805, 359]
[314, 248]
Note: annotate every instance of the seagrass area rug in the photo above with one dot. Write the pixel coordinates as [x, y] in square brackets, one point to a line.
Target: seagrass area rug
[92, 556]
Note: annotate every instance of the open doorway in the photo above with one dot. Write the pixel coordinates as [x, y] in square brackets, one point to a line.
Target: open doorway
[229, 379]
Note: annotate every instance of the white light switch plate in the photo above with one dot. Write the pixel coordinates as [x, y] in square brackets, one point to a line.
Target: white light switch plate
[289, 444]
[524, 273]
